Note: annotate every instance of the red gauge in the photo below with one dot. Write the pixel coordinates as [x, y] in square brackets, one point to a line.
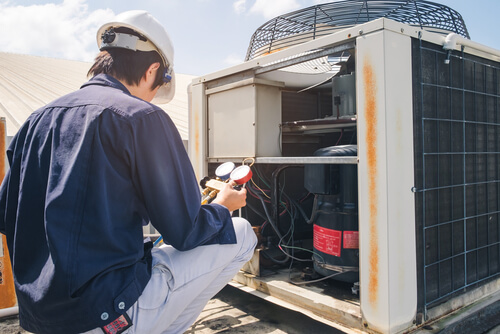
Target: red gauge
[241, 174]
[224, 171]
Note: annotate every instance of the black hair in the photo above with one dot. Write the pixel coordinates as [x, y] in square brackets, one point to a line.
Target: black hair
[127, 65]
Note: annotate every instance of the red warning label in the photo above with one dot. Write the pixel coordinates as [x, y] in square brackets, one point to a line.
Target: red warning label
[351, 239]
[327, 241]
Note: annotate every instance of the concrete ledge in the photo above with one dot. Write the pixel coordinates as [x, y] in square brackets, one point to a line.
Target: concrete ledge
[476, 318]
[307, 299]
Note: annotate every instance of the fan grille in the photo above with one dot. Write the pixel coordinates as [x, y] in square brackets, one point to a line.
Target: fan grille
[320, 20]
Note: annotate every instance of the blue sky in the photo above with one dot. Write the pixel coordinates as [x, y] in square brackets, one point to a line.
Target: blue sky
[208, 35]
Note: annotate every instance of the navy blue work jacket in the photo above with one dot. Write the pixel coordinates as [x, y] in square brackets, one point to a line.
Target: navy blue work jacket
[86, 172]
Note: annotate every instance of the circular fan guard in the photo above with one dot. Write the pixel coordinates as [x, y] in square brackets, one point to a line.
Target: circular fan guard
[320, 20]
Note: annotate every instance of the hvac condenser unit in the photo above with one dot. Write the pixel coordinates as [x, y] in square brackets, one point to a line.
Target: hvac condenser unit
[375, 131]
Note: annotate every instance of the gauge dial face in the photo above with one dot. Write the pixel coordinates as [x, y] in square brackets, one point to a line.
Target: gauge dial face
[241, 174]
[224, 171]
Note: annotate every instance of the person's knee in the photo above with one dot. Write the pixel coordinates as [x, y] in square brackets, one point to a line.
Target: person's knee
[245, 236]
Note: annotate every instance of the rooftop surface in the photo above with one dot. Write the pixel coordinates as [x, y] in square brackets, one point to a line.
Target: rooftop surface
[30, 82]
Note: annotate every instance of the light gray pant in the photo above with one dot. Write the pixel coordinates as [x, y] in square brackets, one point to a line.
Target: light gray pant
[183, 282]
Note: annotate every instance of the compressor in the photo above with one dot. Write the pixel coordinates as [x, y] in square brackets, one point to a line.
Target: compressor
[335, 215]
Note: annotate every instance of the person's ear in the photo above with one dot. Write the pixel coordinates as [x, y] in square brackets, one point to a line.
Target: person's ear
[150, 75]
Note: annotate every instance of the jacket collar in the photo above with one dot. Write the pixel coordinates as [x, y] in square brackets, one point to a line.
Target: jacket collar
[106, 80]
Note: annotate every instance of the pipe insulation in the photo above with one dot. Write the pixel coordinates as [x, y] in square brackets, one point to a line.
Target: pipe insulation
[452, 40]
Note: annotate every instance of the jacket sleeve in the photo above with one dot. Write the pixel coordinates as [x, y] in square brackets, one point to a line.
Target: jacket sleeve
[3, 202]
[167, 183]
[9, 190]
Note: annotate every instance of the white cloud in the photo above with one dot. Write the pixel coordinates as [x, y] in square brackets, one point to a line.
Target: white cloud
[239, 6]
[271, 9]
[65, 30]
[233, 59]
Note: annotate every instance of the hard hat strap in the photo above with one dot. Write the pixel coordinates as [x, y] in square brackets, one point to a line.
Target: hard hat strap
[167, 75]
[112, 39]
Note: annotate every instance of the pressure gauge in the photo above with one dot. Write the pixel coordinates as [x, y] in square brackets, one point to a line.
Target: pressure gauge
[241, 174]
[224, 171]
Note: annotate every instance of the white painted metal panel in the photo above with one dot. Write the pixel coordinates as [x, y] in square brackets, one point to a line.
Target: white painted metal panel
[268, 121]
[231, 123]
[197, 148]
[400, 171]
[372, 181]
[386, 203]
[244, 120]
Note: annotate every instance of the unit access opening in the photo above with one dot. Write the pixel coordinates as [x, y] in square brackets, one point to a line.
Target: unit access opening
[307, 107]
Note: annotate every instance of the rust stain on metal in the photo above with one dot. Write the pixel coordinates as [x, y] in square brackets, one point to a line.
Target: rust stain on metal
[371, 156]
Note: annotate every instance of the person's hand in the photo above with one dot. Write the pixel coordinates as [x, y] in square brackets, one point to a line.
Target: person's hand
[231, 198]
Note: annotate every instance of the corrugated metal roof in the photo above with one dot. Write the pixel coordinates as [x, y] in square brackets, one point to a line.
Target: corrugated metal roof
[30, 82]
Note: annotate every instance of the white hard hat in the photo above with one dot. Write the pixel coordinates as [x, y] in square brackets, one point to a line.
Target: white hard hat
[157, 40]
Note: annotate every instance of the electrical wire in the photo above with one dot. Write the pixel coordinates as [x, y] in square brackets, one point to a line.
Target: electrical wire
[290, 206]
[299, 208]
[280, 139]
[253, 193]
[298, 248]
[353, 136]
[293, 208]
[256, 211]
[341, 134]
[276, 230]
[262, 191]
[266, 211]
[266, 182]
[316, 280]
